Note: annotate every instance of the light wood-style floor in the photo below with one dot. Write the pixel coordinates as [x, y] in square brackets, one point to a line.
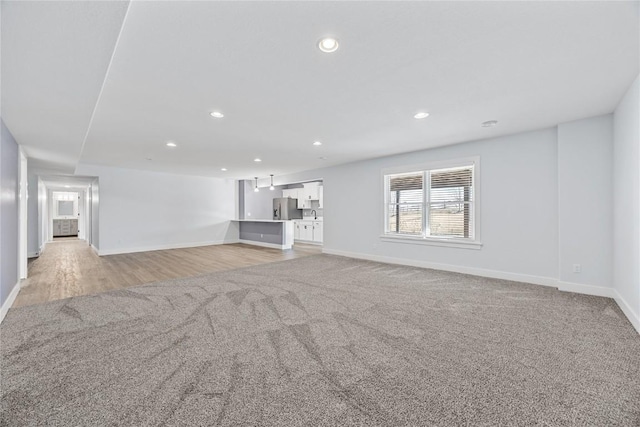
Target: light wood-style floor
[69, 267]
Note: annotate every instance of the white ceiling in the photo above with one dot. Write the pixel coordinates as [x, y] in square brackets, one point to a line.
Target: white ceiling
[526, 64]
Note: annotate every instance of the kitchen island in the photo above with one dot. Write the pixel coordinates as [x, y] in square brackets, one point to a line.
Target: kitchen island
[270, 233]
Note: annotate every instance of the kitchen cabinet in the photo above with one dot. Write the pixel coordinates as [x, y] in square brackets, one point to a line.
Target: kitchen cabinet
[308, 231]
[321, 197]
[317, 231]
[308, 194]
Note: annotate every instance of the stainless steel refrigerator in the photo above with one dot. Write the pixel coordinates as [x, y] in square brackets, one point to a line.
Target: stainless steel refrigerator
[286, 208]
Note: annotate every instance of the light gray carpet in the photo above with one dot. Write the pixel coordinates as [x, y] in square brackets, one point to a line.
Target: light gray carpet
[318, 341]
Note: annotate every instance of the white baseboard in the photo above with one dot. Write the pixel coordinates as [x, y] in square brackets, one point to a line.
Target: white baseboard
[579, 288]
[494, 274]
[102, 252]
[97, 252]
[633, 317]
[601, 291]
[9, 302]
[264, 244]
[33, 254]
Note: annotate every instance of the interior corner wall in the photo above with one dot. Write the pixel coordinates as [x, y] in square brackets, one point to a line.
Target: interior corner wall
[9, 199]
[585, 217]
[626, 202]
[143, 210]
[33, 244]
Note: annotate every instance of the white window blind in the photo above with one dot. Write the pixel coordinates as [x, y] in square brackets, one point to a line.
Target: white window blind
[435, 203]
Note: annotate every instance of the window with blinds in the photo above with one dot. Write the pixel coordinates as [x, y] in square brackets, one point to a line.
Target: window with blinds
[435, 203]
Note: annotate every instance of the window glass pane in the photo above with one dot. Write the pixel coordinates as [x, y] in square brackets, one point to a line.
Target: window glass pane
[451, 219]
[405, 219]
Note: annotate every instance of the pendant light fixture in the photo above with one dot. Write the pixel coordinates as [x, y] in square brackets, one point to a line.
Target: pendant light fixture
[272, 187]
[256, 189]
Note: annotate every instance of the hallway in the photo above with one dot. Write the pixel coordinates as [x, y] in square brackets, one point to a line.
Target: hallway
[69, 267]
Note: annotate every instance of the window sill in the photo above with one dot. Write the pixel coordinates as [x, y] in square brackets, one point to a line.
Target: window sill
[451, 243]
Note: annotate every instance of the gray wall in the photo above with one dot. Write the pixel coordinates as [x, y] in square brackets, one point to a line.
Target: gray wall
[9, 158]
[266, 232]
[626, 200]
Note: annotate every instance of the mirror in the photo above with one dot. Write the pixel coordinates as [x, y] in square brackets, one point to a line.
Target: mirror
[65, 207]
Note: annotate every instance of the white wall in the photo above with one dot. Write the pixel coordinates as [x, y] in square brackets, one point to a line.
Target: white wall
[141, 210]
[585, 161]
[33, 246]
[626, 203]
[94, 240]
[43, 214]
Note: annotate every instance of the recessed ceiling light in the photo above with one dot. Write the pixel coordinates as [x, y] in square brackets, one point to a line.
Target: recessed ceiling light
[67, 186]
[421, 115]
[489, 123]
[257, 159]
[171, 144]
[328, 45]
[223, 169]
[317, 143]
[216, 114]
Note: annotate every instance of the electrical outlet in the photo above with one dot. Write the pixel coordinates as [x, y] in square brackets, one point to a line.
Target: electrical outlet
[262, 236]
[577, 268]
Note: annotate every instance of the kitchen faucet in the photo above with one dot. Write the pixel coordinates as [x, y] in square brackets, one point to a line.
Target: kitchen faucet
[315, 214]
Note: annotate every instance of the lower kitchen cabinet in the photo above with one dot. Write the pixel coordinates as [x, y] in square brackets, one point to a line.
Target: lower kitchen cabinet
[308, 231]
[317, 231]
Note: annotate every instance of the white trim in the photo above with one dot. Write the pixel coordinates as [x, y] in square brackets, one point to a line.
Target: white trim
[424, 168]
[33, 254]
[95, 250]
[264, 244]
[23, 213]
[452, 243]
[103, 252]
[633, 317]
[9, 302]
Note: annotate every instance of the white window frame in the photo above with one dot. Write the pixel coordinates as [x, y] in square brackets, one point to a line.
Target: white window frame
[424, 168]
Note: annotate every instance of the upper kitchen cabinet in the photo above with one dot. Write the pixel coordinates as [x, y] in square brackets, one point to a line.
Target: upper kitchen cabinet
[321, 197]
[307, 194]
